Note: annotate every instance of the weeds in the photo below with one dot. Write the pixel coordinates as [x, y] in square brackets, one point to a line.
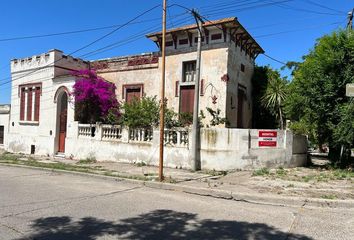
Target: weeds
[214, 172]
[281, 172]
[88, 160]
[329, 196]
[261, 172]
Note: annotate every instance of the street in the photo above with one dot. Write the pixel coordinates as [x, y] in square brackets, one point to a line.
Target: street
[44, 205]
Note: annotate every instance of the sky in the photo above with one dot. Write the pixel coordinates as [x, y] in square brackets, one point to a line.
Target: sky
[286, 29]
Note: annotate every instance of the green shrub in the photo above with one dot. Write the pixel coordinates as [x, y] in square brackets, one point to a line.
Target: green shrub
[141, 113]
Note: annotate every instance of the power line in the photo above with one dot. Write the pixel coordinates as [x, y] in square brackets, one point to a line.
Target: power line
[281, 62]
[295, 30]
[286, 6]
[89, 44]
[114, 45]
[231, 9]
[323, 6]
[126, 41]
[69, 32]
[276, 60]
[79, 31]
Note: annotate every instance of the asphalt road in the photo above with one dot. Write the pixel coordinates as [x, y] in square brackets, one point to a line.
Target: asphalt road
[43, 205]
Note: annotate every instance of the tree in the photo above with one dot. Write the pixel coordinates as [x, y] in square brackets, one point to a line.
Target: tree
[317, 93]
[274, 95]
[262, 117]
[95, 98]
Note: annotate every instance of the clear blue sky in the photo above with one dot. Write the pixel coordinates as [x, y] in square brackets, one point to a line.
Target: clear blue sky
[298, 22]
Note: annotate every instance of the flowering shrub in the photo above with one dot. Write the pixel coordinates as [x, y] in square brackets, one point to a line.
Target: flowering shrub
[95, 99]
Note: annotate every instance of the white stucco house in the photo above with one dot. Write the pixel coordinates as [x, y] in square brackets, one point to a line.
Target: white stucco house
[41, 120]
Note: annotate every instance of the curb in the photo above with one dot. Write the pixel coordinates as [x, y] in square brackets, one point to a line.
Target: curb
[215, 193]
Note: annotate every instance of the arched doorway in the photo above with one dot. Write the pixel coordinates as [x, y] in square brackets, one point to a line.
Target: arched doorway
[62, 106]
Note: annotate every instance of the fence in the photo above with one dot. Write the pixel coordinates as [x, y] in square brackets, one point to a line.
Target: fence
[219, 148]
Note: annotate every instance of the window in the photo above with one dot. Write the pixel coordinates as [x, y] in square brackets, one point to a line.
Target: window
[30, 95]
[183, 41]
[242, 68]
[169, 43]
[1, 134]
[216, 36]
[132, 91]
[189, 71]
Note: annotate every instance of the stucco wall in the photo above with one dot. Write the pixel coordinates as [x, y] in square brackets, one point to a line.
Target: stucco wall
[220, 149]
[213, 67]
[237, 79]
[44, 134]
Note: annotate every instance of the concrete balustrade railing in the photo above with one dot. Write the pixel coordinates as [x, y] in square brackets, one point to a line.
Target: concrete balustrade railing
[111, 132]
[85, 130]
[140, 134]
[178, 137]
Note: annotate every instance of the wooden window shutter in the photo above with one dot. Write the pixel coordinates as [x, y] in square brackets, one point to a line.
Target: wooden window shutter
[22, 104]
[37, 103]
[29, 104]
[202, 87]
[177, 89]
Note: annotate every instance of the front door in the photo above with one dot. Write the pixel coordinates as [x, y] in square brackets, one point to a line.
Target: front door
[62, 123]
[187, 99]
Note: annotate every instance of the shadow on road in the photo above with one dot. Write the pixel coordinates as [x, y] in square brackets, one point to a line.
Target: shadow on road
[159, 224]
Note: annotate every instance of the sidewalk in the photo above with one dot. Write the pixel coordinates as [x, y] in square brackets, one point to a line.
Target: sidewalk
[294, 187]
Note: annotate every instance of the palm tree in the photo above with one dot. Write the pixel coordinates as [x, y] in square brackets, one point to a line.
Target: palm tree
[274, 95]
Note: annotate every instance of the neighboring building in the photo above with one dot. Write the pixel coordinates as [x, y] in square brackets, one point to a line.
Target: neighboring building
[42, 110]
[4, 124]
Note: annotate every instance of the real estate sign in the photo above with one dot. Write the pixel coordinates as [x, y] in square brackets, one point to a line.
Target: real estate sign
[267, 138]
[349, 90]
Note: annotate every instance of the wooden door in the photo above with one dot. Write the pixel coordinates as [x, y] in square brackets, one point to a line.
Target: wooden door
[186, 99]
[1, 134]
[132, 93]
[62, 129]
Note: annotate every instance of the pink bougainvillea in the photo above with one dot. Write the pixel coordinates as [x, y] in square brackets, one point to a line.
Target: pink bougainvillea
[95, 96]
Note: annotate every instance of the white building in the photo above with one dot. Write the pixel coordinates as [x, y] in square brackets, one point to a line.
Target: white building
[41, 120]
[41, 103]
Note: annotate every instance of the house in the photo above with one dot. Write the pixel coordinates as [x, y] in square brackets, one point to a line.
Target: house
[42, 109]
[227, 64]
[41, 120]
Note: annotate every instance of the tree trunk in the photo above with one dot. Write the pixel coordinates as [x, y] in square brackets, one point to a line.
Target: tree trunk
[281, 122]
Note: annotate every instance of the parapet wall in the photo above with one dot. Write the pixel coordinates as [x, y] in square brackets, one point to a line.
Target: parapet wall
[54, 58]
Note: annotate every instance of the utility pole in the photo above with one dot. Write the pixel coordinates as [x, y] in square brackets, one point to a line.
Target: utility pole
[162, 102]
[195, 127]
[350, 20]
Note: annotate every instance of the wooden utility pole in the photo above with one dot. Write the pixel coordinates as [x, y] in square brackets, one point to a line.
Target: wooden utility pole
[195, 127]
[162, 102]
